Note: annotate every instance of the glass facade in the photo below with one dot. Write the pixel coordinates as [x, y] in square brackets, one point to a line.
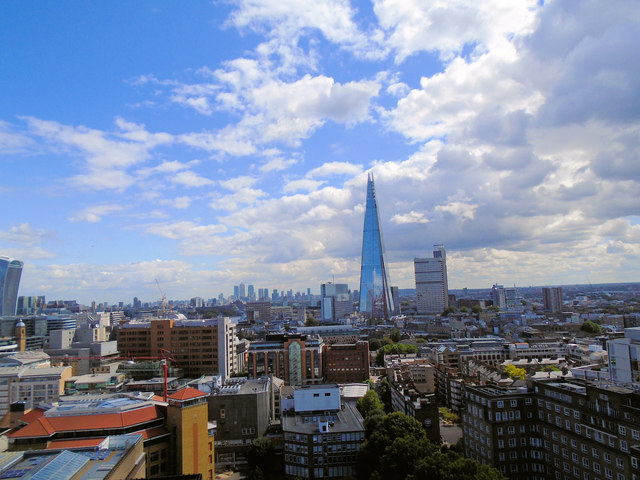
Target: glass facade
[375, 293]
[10, 271]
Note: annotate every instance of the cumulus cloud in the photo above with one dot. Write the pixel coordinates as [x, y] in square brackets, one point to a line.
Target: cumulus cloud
[24, 234]
[411, 217]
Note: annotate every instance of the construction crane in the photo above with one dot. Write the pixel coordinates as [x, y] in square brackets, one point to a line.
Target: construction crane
[164, 358]
[164, 297]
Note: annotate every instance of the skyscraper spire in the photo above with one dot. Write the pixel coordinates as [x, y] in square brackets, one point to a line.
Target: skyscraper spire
[375, 292]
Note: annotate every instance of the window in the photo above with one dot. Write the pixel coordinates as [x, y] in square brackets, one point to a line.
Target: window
[623, 446]
[635, 434]
[514, 403]
[500, 404]
[622, 429]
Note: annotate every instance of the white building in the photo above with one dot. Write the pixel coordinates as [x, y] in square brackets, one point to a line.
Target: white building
[624, 354]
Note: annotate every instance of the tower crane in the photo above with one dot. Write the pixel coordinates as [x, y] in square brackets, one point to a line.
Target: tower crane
[163, 296]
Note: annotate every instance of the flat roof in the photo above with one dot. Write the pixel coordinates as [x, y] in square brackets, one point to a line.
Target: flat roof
[348, 419]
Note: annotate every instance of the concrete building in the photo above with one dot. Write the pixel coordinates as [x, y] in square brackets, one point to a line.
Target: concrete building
[432, 288]
[259, 312]
[200, 347]
[346, 363]
[552, 299]
[624, 354]
[322, 435]
[243, 410]
[297, 359]
[564, 429]
[331, 334]
[335, 302]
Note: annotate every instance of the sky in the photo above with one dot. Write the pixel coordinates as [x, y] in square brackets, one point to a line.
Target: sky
[204, 144]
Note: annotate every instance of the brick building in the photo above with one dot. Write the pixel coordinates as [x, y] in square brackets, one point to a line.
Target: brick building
[199, 347]
[346, 363]
[297, 359]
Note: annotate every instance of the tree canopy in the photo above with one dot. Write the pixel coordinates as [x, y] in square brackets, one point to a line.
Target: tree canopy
[394, 349]
[591, 327]
[515, 372]
[396, 447]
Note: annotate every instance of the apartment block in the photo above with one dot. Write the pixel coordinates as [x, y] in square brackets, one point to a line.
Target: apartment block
[199, 347]
[346, 363]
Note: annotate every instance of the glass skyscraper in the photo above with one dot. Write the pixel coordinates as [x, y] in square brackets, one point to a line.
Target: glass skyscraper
[375, 293]
[10, 271]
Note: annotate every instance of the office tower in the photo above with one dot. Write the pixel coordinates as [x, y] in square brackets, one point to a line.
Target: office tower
[375, 292]
[335, 303]
[242, 291]
[552, 299]
[236, 291]
[251, 293]
[395, 294]
[10, 271]
[432, 289]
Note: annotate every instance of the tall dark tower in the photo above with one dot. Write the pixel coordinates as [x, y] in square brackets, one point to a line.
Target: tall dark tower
[375, 293]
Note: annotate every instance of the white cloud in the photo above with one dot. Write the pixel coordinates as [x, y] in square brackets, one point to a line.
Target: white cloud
[107, 156]
[95, 213]
[191, 179]
[302, 184]
[447, 26]
[24, 234]
[335, 168]
[411, 217]
[277, 164]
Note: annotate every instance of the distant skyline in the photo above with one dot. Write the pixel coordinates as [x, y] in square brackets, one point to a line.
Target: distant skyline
[210, 143]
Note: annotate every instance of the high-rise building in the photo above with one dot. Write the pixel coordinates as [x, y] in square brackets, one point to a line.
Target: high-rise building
[375, 291]
[241, 290]
[432, 289]
[251, 292]
[10, 271]
[552, 299]
[335, 303]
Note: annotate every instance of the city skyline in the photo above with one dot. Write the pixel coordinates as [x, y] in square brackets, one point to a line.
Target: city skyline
[208, 145]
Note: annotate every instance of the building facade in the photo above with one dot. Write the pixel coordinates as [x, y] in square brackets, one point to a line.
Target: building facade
[375, 291]
[432, 287]
[297, 359]
[555, 429]
[552, 299]
[335, 301]
[199, 347]
[10, 272]
[322, 435]
[346, 363]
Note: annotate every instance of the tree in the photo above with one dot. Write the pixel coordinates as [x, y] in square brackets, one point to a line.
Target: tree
[464, 310]
[262, 460]
[369, 404]
[515, 372]
[591, 327]
[385, 394]
[476, 309]
[449, 310]
[394, 349]
[311, 322]
[395, 335]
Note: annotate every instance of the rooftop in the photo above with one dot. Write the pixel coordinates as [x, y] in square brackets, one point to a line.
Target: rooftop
[348, 419]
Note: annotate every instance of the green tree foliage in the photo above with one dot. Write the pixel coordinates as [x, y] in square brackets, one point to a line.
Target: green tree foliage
[394, 349]
[395, 335]
[476, 309]
[263, 462]
[515, 372]
[550, 368]
[311, 322]
[396, 447]
[369, 404]
[591, 327]
[385, 394]
[449, 310]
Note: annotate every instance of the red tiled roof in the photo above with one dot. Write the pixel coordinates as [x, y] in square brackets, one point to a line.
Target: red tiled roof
[45, 427]
[31, 415]
[76, 443]
[187, 394]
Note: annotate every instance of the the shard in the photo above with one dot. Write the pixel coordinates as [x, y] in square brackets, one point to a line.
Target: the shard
[375, 293]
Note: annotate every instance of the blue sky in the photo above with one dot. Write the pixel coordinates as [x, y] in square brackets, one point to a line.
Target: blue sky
[210, 143]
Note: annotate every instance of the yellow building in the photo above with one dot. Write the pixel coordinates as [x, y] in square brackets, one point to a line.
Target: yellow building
[188, 419]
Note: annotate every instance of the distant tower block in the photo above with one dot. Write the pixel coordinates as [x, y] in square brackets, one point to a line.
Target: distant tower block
[375, 292]
[10, 272]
